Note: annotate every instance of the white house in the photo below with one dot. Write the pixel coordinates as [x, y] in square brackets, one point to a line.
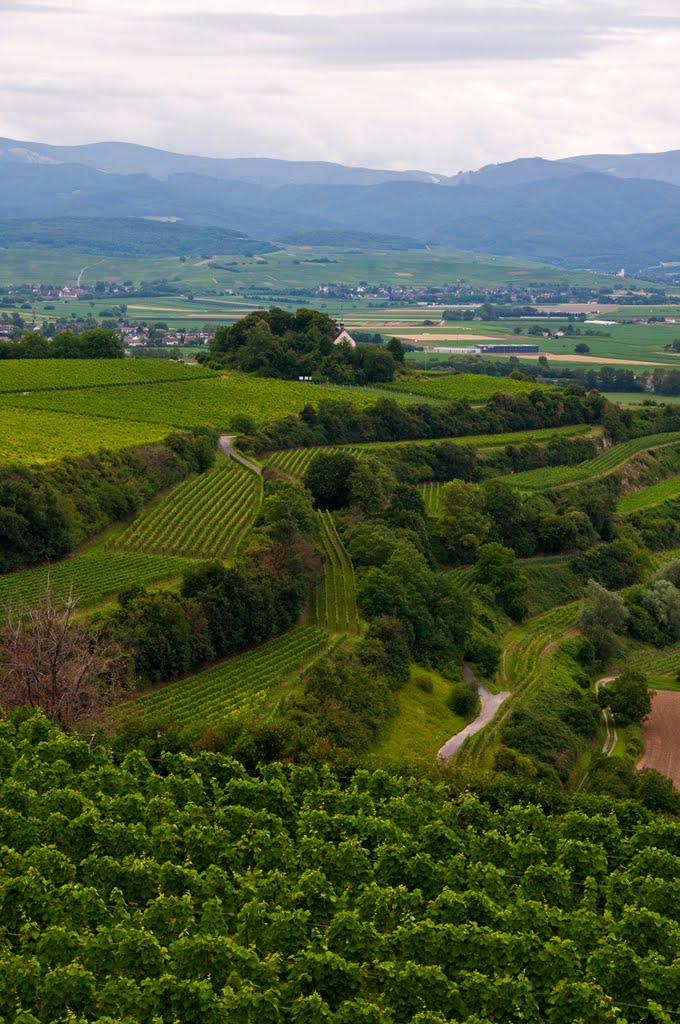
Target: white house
[344, 336]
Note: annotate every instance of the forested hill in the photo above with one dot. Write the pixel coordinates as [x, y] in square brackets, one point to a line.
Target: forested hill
[571, 213]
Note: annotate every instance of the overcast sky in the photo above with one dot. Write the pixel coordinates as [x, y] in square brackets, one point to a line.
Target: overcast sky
[443, 86]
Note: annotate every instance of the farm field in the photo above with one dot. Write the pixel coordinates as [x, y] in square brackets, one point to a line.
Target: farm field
[289, 267]
[527, 652]
[661, 730]
[89, 577]
[204, 517]
[639, 397]
[67, 374]
[241, 685]
[628, 343]
[649, 497]
[33, 435]
[606, 462]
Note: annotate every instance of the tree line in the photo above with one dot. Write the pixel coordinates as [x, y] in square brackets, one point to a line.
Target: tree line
[97, 343]
[46, 511]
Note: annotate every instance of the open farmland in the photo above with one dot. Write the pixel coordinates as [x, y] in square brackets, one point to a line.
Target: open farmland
[67, 374]
[89, 577]
[661, 731]
[606, 462]
[204, 517]
[34, 435]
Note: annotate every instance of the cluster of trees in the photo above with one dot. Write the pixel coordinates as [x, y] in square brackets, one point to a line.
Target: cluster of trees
[97, 343]
[473, 514]
[46, 511]
[277, 343]
[341, 422]
[221, 610]
[448, 460]
[648, 612]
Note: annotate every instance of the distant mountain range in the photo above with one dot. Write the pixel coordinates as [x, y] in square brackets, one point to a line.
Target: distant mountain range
[599, 211]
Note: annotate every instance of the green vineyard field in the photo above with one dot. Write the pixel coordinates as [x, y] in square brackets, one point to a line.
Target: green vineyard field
[431, 493]
[204, 517]
[606, 462]
[191, 403]
[32, 436]
[452, 387]
[238, 686]
[90, 578]
[68, 374]
[294, 461]
[650, 497]
[336, 605]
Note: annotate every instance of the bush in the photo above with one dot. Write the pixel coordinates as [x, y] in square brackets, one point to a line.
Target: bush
[463, 699]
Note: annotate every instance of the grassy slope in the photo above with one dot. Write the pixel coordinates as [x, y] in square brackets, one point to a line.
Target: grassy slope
[423, 721]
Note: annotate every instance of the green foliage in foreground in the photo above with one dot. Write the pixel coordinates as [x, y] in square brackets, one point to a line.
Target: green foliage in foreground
[190, 891]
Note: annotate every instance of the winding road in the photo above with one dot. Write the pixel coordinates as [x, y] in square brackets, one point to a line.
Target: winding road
[227, 446]
[490, 704]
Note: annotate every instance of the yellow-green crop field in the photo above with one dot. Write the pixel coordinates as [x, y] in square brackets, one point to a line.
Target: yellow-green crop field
[30, 436]
[64, 374]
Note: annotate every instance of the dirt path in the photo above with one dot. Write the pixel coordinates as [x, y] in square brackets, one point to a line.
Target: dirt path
[227, 446]
[83, 269]
[490, 704]
[662, 733]
[611, 736]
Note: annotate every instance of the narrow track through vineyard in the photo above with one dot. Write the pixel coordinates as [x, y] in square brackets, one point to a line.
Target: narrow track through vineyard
[336, 605]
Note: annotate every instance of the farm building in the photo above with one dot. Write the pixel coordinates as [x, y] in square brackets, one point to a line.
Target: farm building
[343, 335]
[476, 350]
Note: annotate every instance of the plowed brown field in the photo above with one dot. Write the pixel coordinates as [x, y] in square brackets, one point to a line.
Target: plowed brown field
[662, 736]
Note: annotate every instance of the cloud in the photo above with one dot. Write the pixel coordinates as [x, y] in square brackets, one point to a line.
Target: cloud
[424, 35]
[396, 83]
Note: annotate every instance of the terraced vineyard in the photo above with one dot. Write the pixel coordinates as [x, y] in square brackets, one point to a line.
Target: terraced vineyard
[90, 578]
[294, 461]
[431, 493]
[336, 604]
[650, 497]
[67, 374]
[526, 655]
[32, 436]
[607, 462]
[204, 517]
[239, 686]
[662, 662]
